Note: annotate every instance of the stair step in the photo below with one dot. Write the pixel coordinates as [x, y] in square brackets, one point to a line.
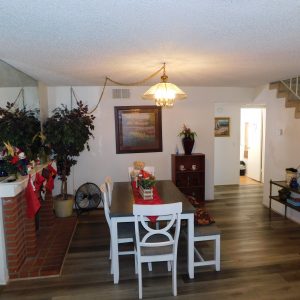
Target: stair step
[292, 103]
[297, 114]
[291, 100]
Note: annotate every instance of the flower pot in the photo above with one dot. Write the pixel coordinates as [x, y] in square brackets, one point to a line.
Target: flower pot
[63, 208]
[147, 194]
[188, 145]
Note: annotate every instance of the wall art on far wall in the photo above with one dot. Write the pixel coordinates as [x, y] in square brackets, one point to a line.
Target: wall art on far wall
[222, 126]
[138, 129]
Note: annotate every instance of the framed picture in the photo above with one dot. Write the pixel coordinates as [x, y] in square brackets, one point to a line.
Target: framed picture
[222, 126]
[138, 129]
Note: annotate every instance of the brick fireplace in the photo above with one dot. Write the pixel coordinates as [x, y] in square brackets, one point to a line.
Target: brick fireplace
[21, 234]
[28, 250]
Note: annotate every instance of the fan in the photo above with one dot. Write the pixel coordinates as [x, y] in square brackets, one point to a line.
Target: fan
[87, 197]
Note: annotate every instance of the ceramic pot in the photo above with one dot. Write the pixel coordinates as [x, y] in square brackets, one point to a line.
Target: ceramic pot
[188, 145]
[63, 208]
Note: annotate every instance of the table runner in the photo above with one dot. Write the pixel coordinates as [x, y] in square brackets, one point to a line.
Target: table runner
[138, 199]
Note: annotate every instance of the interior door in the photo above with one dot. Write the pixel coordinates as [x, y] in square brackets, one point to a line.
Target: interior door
[254, 163]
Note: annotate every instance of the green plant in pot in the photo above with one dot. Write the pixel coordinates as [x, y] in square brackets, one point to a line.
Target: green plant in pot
[188, 139]
[19, 127]
[67, 133]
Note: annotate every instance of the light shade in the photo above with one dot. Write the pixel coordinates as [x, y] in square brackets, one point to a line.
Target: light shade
[164, 93]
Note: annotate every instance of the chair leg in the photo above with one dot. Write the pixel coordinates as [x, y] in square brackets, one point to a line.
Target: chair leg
[140, 280]
[110, 250]
[169, 266]
[135, 264]
[111, 262]
[174, 277]
[218, 253]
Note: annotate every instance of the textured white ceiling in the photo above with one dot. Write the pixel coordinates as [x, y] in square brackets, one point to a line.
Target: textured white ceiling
[203, 42]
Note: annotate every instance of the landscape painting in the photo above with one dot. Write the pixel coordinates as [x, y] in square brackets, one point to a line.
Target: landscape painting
[138, 129]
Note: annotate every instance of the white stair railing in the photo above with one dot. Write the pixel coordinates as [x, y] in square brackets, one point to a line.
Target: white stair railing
[292, 85]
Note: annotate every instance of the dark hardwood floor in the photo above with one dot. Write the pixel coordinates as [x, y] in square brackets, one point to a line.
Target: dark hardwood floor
[260, 259]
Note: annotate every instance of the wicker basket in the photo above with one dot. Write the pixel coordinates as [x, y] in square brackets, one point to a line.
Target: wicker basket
[290, 175]
[147, 194]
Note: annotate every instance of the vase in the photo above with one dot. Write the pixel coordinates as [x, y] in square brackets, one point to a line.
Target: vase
[188, 145]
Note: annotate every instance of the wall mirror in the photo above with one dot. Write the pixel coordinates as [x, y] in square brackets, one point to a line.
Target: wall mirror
[12, 81]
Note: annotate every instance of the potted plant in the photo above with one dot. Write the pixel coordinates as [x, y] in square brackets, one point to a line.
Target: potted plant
[67, 133]
[188, 139]
[146, 182]
[20, 128]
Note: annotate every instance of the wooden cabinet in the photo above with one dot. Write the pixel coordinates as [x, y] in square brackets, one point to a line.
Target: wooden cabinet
[188, 174]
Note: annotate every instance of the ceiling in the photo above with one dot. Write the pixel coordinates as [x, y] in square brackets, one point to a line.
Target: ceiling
[203, 42]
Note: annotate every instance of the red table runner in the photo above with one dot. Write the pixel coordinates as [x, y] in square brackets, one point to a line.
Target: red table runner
[138, 199]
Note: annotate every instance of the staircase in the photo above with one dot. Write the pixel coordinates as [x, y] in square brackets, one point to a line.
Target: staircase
[290, 90]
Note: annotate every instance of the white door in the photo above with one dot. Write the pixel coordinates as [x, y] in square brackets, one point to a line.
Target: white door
[254, 162]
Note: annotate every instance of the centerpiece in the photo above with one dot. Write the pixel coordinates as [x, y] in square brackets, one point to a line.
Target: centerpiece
[146, 182]
[188, 139]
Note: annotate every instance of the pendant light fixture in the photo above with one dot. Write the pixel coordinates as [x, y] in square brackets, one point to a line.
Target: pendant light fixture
[164, 93]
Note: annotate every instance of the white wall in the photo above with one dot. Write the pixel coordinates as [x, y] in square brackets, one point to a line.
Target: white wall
[9, 94]
[281, 151]
[197, 112]
[227, 149]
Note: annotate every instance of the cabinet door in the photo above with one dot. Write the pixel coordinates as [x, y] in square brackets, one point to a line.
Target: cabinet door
[188, 179]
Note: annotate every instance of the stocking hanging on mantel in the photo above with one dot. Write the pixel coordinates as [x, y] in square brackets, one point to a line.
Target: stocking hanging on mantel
[50, 181]
[38, 182]
[33, 203]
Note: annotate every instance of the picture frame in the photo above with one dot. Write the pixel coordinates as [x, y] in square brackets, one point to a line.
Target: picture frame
[222, 126]
[138, 129]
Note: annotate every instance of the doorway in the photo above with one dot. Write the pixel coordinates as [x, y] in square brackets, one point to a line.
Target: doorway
[252, 136]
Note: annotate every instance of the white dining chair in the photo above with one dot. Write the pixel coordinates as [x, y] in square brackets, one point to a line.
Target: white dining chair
[207, 233]
[110, 185]
[157, 245]
[149, 169]
[125, 230]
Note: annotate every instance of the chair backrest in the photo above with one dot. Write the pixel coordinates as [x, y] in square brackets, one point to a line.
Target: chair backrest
[149, 169]
[163, 236]
[104, 191]
[109, 185]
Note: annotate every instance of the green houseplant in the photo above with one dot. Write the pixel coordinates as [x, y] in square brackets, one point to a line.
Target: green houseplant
[20, 132]
[67, 133]
[20, 128]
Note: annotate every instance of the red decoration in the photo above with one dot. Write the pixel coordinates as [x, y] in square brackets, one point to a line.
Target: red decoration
[50, 181]
[33, 203]
[145, 174]
[39, 179]
[139, 200]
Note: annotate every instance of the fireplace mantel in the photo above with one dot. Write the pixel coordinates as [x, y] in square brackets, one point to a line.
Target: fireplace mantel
[11, 190]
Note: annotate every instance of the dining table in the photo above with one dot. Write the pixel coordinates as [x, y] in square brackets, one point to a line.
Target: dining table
[121, 211]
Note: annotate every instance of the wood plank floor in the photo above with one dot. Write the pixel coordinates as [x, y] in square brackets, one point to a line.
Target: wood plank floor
[260, 260]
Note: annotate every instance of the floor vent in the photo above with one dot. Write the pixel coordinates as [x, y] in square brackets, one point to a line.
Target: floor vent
[121, 93]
